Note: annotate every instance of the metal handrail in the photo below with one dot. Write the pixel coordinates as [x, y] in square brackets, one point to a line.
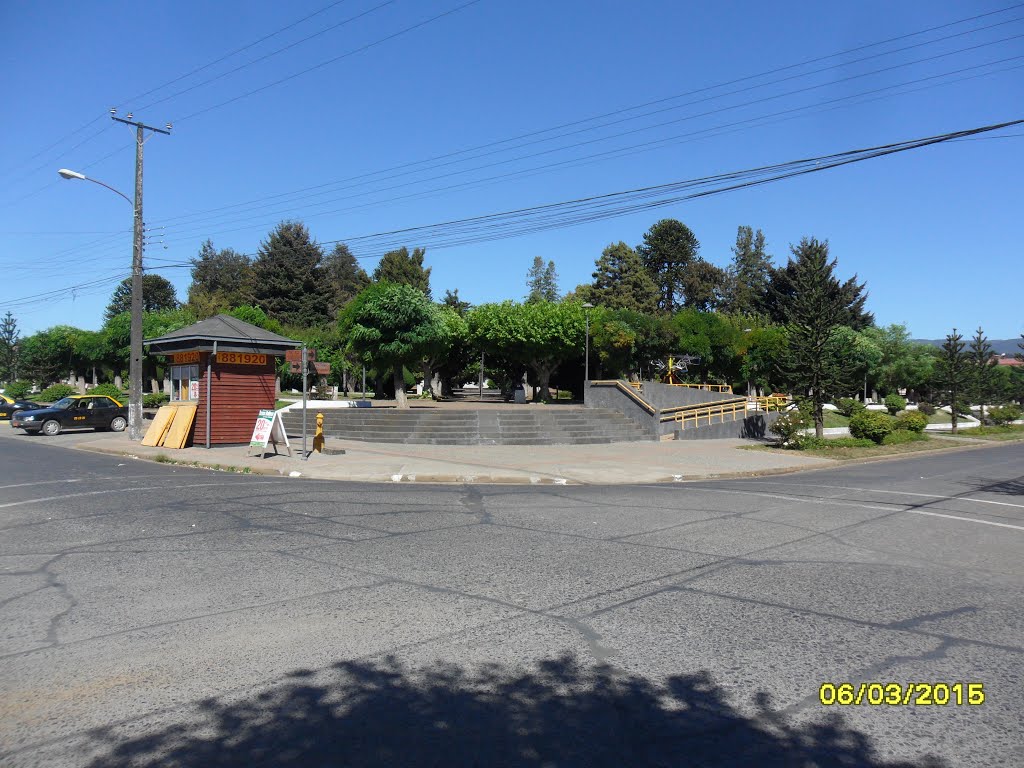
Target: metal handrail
[709, 412]
[706, 387]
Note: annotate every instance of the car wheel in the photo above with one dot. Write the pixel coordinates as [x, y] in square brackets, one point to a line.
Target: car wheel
[118, 423]
[51, 428]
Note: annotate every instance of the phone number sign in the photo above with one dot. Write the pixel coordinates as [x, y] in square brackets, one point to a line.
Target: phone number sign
[240, 358]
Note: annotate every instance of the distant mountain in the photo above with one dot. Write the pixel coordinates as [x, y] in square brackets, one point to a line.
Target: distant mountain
[999, 346]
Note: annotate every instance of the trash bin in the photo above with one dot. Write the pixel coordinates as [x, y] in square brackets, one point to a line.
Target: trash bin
[520, 395]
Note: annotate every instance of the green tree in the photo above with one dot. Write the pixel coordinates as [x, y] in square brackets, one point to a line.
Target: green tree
[540, 335]
[851, 295]
[621, 281]
[860, 351]
[157, 295]
[220, 280]
[394, 325]
[256, 316]
[402, 268]
[703, 286]
[765, 347]
[9, 348]
[47, 356]
[712, 337]
[345, 276]
[814, 307]
[542, 281]
[903, 364]
[451, 299]
[983, 363]
[448, 354]
[288, 280]
[749, 274]
[668, 250]
[953, 371]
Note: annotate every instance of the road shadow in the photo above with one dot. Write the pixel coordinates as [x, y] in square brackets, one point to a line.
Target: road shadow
[558, 714]
[1011, 487]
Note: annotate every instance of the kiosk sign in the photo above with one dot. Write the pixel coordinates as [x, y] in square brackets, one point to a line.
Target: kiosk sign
[268, 429]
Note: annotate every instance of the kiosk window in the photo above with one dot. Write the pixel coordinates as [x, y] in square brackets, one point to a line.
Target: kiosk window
[182, 376]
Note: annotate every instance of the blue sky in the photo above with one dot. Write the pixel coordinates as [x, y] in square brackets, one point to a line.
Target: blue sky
[934, 232]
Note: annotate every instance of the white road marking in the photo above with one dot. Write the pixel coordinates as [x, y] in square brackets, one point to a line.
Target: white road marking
[40, 482]
[122, 490]
[899, 493]
[966, 519]
[841, 502]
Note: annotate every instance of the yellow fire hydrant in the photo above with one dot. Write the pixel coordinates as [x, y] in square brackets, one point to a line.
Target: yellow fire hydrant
[318, 438]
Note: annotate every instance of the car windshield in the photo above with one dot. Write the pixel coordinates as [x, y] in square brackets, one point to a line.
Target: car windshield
[64, 404]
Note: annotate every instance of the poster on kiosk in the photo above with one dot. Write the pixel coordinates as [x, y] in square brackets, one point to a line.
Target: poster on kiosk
[269, 429]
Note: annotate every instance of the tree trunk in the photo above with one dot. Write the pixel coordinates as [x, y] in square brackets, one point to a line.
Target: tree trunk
[400, 388]
[117, 381]
[95, 381]
[543, 376]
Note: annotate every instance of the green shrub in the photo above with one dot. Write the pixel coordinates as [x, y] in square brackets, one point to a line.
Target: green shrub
[1004, 414]
[110, 391]
[836, 442]
[848, 406]
[926, 408]
[900, 436]
[56, 392]
[154, 400]
[871, 425]
[912, 421]
[18, 389]
[790, 428]
[894, 403]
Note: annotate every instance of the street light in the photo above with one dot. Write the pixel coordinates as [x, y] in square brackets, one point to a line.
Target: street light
[135, 346]
[588, 306]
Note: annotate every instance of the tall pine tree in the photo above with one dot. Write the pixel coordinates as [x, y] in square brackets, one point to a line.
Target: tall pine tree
[542, 281]
[983, 375]
[953, 370]
[402, 268]
[8, 348]
[749, 274]
[668, 250]
[288, 281]
[344, 275]
[622, 282]
[816, 306]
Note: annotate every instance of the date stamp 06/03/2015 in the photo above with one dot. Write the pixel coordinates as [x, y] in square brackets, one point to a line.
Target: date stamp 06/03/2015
[901, 694]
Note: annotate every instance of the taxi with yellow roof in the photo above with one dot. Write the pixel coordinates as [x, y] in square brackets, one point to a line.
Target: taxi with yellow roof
[99, 412]
[10, 405]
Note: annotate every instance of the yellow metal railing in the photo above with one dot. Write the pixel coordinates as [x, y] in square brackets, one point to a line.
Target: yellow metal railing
[769, 402]
[709, 413]
[727, 388]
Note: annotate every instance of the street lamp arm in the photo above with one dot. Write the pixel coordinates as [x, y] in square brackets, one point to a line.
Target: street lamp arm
[74, 175]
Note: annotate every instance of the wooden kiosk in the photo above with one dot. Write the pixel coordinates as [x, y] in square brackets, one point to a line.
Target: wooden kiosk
[226, 367]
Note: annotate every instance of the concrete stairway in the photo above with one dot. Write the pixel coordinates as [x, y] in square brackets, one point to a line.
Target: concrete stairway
[525, 425]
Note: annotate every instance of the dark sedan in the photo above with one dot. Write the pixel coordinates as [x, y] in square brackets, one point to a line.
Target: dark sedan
[76, 412]
[9, 406]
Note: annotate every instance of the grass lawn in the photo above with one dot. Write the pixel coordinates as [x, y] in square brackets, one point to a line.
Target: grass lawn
[1007, 432]
[841, 451]
[835, 419]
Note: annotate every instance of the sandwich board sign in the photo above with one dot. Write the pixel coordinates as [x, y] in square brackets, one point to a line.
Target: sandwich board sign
[268, 429]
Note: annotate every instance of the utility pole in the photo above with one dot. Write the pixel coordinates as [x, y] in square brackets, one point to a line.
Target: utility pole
[135, 350]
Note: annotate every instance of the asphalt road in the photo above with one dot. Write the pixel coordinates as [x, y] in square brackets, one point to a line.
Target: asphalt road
[152, 615]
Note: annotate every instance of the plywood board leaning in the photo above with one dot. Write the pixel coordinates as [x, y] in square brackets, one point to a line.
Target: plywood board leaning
[177, 433]
[157, 430]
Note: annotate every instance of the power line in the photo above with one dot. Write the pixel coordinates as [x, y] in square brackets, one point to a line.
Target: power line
[264, 57]
[638, 106]
[334, 60]
[171, 230]
[342, 183]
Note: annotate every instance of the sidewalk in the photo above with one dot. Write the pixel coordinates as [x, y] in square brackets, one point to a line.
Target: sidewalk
[608, 464]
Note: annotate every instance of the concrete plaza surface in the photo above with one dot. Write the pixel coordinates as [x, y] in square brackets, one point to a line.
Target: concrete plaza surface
[612, 464]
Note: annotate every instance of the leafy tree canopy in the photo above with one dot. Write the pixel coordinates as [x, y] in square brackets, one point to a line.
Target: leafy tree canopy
[220, 280]
[345, 276]
[394, 325]
[621, 281]
[749, 274]
[157, 296]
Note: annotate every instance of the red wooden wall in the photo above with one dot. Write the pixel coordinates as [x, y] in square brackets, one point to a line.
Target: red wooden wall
[238, 393]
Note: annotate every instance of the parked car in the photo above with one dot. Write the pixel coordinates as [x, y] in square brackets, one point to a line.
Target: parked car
[8, 406]
[75, 412]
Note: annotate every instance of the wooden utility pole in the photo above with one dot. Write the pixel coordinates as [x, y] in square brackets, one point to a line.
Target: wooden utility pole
[135, 349]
